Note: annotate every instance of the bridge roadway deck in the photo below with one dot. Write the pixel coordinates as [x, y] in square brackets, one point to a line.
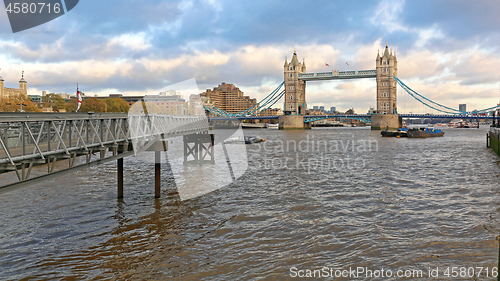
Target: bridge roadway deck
[337, 75]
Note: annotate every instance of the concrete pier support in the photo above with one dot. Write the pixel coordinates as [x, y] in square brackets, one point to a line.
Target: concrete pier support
[292, 122]
[157, 174]
[386, 121]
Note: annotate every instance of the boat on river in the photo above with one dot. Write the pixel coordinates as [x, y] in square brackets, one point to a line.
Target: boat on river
[424, 133]
[401, 132]
[245, 140]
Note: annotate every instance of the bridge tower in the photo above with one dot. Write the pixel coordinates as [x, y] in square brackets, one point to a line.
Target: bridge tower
[387, 100]
[387, 67]
[295, 95]
[295, 89]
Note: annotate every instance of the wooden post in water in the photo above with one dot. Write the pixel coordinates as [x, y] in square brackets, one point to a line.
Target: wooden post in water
[120, 176]
[157, 174]
[158, 147]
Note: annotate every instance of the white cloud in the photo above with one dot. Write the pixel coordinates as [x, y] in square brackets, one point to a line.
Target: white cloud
[133, 41]
[387, 15]
[425, 35]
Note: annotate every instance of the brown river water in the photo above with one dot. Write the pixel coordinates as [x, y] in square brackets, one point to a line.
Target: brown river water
[360, 202]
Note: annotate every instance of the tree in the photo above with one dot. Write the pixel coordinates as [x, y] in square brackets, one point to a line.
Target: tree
[93, 105]
[53, 101]
[13, 105]
[116, 105]
[71, 105]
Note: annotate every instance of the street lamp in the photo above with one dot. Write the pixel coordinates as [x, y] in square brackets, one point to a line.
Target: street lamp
[21, 104]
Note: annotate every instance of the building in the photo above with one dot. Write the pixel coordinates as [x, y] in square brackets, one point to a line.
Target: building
[322, 108]
[271, 112]
[333, 109]
[295, 89]
[165, 102]
[387, 69]
[9, 93]
[315, 111]
[65, 96]
[196, 105]
[229, 98]
[350, 112]
[35, 98]
[315, 107]
[462, 107]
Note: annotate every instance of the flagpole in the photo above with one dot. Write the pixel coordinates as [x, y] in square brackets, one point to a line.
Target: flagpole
[78, 98]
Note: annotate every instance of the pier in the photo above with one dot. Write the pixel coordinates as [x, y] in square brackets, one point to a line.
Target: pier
[28, 140]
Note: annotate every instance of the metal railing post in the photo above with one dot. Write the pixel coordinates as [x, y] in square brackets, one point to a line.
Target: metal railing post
[23, 139]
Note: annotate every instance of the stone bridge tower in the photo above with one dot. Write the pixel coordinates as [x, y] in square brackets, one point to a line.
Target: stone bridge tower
[387, 99]
[387, 67]
[295, 89]
[295, 96]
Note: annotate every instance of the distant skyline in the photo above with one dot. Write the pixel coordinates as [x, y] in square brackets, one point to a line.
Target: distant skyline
[446, 50]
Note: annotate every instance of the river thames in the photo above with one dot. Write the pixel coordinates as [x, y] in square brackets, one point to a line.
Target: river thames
[345, 198]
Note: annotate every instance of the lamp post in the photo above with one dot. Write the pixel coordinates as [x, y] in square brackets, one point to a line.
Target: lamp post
[21, 104]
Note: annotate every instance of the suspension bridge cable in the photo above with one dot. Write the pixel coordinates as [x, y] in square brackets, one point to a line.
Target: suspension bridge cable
[430, 106]
[271, 98]
[403, 85]
[406, 88]
[268, 96]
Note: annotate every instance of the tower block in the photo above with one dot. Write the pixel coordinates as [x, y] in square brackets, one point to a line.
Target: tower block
[295, 96]
[387, 69]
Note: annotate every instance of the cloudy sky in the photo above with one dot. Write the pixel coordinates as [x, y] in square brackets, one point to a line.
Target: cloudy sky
[446, 50]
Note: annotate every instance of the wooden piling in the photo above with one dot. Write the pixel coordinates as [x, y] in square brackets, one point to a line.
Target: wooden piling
[120, 176]
[157, 174]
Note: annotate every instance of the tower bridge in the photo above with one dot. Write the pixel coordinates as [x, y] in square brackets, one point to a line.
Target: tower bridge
[385, 115]
[385, 72]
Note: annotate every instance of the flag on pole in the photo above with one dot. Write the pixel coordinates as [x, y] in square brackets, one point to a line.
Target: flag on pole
[347, 64]
[78, 98]
[326, 64]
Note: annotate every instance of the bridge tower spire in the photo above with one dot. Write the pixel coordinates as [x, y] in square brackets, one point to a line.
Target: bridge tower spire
[295, 89]
[387, 67]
